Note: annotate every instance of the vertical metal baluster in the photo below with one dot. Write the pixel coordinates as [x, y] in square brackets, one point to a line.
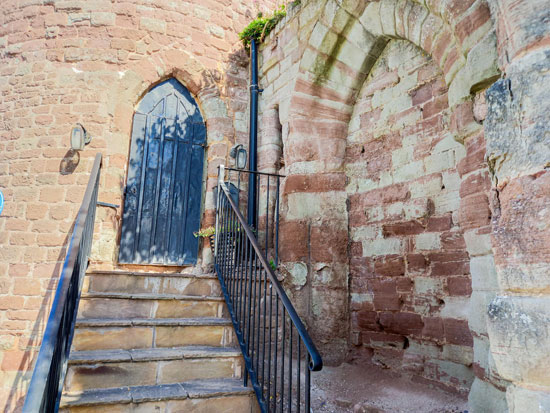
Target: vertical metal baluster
[244, 265]
[258, 181]
[231, 256]
[308, 384]
[264, 328]
[249, 299]
[275, 365]
[277, 224]
[267, 219]
[238, 190]
[290, 369]
[283, 360]
[238, 267]
[259, 311]
[298, 378]
[269, 348]
[224, 237]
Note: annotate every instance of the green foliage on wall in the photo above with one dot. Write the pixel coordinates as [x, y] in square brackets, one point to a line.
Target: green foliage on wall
[260, 27]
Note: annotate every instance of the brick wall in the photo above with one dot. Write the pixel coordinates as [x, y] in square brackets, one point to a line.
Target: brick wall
[63, 62]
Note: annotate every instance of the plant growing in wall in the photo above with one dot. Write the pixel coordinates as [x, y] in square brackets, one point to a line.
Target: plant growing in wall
[261, 26]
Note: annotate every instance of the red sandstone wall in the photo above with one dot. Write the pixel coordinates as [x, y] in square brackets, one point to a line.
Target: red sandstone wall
[409, 265]
[63, 62]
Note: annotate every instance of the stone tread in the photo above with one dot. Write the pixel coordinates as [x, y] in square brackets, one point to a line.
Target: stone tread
[128, 322]
[150, 296]
[192, 389]
[155, 354]
[209, 276]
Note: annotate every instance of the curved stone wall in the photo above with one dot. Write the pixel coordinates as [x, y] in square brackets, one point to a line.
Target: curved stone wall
[64, 62]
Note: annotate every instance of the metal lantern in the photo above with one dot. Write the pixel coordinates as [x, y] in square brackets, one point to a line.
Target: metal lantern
[238, 152]
[79, 137]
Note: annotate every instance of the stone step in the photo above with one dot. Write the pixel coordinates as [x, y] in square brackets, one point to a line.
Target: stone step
[223, 395]
[90, 370]
[156, 283]
[126, 305]
[124, 334]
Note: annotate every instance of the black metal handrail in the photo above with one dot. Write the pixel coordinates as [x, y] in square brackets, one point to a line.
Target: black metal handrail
[46, 384]
[271, 335]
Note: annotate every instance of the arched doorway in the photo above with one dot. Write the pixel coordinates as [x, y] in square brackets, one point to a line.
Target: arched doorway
[164, 186]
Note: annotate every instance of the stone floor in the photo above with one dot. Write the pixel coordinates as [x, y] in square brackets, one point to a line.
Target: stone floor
[371, 389]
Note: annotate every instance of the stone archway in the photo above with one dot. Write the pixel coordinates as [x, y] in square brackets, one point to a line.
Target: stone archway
[345, 42]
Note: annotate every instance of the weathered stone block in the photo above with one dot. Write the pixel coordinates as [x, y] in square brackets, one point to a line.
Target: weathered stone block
[519, 333]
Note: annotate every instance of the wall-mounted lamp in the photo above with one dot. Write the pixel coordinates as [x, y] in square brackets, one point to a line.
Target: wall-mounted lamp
[238, 152]
[79, 137]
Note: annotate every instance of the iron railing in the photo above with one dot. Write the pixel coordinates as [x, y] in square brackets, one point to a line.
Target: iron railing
[278, 352]
[46, 384]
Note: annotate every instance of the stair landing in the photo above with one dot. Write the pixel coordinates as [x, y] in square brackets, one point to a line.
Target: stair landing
[154, 342]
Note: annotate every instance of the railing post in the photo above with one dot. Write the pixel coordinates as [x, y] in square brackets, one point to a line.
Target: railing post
[245, 289]
[221, 174]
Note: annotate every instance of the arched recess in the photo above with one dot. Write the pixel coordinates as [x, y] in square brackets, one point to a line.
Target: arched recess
[134, 82]
[346, 41]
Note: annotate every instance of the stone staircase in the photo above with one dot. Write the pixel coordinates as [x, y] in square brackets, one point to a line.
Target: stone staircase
[151, 342]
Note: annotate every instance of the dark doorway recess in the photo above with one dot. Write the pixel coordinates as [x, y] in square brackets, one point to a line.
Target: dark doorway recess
[162, 201]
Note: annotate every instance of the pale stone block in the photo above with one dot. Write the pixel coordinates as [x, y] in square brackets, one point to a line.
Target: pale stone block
[216, 31]
[361, 38]
[371, 18]
[428, 285]
[395, 209]
[481, 66]
[485, 398]
[416, 209]
[453, 372]
[364, 233]
[479, 302]
[102, 19]
[426, 189]
[307, 205]
[387, 17]
[447, 201]
[439, 162]
[458, 354]
[519, 333]
[521, 399]
[318, 35]
[351, 55]
[428, 241]
[153, 25]
[456, 307]
[451, 180]
[382, 247]
[478, 244]
[203, 13]
[214, 108]
[408, 172]
[484, 275]
[298, 272]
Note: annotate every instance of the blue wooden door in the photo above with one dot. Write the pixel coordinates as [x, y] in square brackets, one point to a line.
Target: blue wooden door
[162, 203]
